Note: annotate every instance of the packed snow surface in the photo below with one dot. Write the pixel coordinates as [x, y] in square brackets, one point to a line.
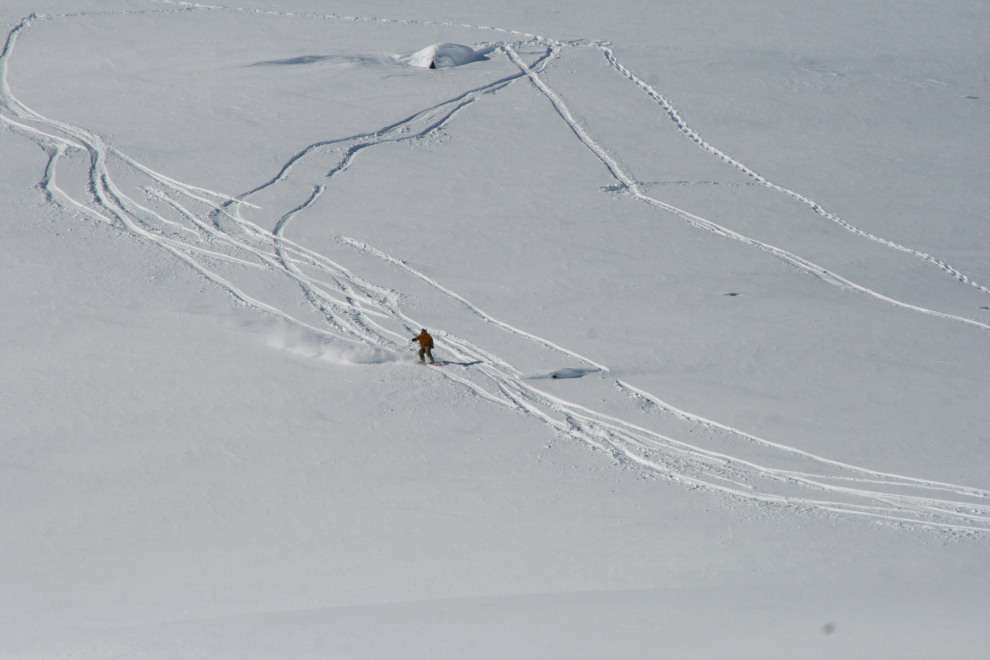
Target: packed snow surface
[710, 290]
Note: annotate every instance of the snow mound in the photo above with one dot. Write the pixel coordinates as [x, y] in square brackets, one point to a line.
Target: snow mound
[443, 56]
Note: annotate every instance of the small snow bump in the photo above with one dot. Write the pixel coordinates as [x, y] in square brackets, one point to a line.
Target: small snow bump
[444, 56]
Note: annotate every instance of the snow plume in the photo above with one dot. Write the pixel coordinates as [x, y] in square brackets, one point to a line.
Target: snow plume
[339, 351]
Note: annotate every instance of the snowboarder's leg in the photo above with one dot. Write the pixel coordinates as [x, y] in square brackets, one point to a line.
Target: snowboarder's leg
[421, 352]
[429, 352]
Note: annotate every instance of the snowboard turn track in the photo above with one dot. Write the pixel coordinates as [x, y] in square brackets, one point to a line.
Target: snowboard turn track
[364, 322]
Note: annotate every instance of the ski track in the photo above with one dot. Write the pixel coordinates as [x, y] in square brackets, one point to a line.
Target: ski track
[632, 187]
[813, 205]
[362, 314]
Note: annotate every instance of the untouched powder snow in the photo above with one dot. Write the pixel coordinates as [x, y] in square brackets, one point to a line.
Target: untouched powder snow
[708, 285]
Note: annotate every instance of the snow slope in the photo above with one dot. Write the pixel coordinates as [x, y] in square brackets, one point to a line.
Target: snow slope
[765, 283]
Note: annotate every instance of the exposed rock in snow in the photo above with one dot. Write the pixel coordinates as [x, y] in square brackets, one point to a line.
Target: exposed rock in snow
[567, 372]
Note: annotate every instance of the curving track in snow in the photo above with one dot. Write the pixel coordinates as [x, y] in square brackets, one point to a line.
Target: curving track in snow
[628, 183]
[365, 322]
[683, 127]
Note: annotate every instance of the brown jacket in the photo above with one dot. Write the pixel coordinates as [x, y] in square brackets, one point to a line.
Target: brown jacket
[425, 340]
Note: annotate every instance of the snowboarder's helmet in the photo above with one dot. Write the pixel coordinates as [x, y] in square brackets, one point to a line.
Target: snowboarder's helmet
[424, 331]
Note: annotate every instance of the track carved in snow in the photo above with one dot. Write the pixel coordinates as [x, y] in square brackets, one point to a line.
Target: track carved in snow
[365, 322]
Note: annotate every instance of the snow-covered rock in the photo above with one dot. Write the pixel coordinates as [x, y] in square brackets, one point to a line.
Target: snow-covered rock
[443, 56]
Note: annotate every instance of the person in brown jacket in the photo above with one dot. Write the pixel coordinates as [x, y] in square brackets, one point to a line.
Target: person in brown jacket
[425, 345]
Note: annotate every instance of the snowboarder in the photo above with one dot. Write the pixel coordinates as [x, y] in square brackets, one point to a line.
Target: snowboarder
[425, 345]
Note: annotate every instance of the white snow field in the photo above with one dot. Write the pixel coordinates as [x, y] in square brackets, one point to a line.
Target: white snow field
[709, 283]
